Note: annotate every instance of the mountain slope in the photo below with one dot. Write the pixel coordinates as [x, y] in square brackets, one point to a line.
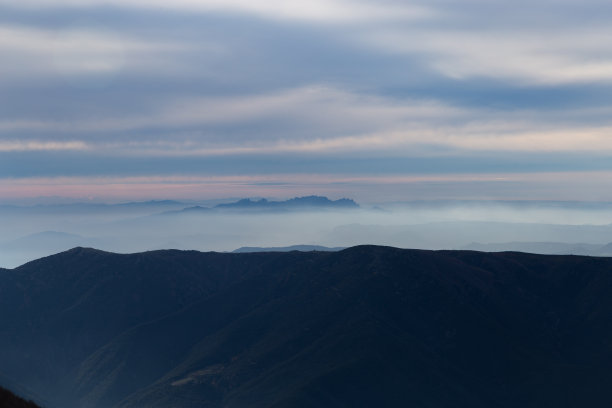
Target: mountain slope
[10, 400]
[366, 326]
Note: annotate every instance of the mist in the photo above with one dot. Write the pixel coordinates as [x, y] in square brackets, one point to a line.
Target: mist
[31, 232]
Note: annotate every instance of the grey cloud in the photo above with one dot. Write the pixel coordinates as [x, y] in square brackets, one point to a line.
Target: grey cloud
[520, 75]
[58, 164]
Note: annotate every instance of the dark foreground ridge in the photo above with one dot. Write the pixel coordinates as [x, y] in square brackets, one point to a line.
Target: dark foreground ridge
[363, 327]
[10, 400]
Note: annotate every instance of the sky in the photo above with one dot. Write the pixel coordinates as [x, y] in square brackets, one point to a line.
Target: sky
[376, 100]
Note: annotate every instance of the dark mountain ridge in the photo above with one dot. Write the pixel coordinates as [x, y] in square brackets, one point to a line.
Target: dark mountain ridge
[366, 326]
[10, 400]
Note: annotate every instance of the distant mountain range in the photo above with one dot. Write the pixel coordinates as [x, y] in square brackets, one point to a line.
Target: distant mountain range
[362, 327]
[294, 203]
[458, 234]
[302, 248]
[308, 203]
[550, 248]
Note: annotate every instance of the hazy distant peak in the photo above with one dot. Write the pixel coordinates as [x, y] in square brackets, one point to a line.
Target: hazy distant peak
[300, 248]
[249, 201]
[312, 202]
[245, 202]
[293, 203]
[187, 210]
[196, 208]
[150, 202]
[320, 200]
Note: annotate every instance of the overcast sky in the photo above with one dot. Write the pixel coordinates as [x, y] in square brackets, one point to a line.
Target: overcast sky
[376, 100]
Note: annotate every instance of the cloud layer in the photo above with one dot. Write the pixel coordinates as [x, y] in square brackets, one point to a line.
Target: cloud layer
[207, 88]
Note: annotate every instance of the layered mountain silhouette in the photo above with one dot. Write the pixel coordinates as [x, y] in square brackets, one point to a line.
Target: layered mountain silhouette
[365, 326]
[291, 204]
[308, 203]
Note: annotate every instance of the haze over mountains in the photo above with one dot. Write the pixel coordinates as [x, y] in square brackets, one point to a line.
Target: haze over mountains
[298, 203]
[366, 326]
[309, 203]
[306, 203]
[551, 248]
[30, 232]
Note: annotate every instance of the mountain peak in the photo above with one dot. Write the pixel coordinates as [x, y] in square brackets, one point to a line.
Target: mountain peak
[351, 327]
[296, 203]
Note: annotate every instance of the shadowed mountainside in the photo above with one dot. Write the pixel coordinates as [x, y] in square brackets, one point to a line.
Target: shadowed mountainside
[366, 326]
[10, 400]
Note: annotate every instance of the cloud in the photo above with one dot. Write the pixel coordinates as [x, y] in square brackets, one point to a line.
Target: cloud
[313, 10]
[38, 145]
[237, 87]
[510, 186]
[318, 109]
[75, 51]
[530, 55]
[316, 120]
